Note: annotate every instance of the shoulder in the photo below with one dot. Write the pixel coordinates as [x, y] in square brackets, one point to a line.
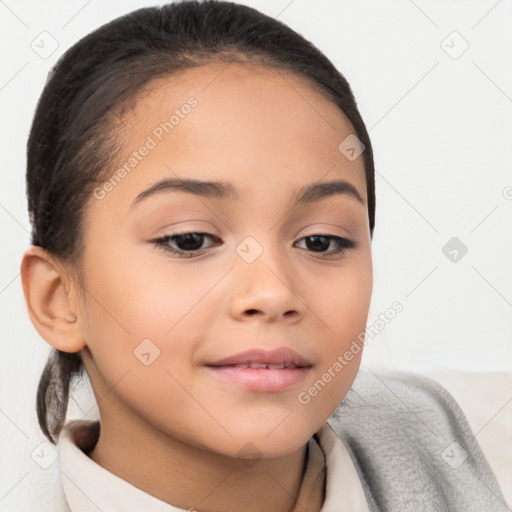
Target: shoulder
[411, 442]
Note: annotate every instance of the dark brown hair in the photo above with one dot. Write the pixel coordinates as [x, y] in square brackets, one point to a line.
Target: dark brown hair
[72, 142]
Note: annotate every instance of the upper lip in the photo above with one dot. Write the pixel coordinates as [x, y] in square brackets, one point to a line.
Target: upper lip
[281, 356]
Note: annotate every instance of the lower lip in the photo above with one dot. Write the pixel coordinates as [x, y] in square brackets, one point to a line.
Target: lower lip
[261, 379]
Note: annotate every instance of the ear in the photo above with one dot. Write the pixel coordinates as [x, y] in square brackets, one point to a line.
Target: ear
[50, 298]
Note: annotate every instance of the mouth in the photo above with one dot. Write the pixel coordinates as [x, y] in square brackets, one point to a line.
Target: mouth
[263, 371]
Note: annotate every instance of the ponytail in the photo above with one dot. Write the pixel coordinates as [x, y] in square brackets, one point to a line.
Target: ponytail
[53, 391]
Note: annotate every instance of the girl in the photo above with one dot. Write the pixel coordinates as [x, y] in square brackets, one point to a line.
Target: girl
[201, 190]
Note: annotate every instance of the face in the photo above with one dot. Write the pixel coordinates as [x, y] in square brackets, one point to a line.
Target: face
[240, 331]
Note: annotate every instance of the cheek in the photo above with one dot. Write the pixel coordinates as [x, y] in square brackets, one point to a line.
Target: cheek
[140, 313]
[340, 298]
[136, 297]
[342, 309]
[142, 331]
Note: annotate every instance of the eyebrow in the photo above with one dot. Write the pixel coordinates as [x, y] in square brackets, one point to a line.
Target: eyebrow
[222, 190]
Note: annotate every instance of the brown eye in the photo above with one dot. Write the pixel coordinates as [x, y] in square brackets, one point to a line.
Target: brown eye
[321, 243]
[184, 244]
[189, 241]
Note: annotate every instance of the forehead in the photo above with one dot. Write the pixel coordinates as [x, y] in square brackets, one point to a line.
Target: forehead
[257, 127]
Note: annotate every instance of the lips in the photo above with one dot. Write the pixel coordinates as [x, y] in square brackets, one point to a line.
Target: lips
[284, 357]
[268, 366]
[262, 371]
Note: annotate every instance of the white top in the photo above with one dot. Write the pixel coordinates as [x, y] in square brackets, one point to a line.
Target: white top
[90, 487]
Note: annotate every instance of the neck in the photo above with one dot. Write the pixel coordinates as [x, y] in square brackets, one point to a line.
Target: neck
[189, 477]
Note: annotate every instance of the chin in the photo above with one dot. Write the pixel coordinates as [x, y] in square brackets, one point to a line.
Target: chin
[268, 441]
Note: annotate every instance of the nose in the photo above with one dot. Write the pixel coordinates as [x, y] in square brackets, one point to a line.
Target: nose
[264, 290]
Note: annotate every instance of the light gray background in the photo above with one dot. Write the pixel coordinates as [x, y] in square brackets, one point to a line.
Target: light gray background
[441, 127]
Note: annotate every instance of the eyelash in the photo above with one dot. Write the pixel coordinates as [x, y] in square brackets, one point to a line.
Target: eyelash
[163, 243]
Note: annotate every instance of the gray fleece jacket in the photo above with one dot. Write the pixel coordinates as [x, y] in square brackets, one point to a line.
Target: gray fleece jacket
[413, 448]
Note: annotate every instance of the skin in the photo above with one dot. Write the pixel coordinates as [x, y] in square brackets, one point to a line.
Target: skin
[171, 428]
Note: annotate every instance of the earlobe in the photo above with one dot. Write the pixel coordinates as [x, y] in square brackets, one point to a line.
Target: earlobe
[47, 291]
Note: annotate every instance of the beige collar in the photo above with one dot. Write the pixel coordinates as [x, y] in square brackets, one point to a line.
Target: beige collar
[89, 487]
